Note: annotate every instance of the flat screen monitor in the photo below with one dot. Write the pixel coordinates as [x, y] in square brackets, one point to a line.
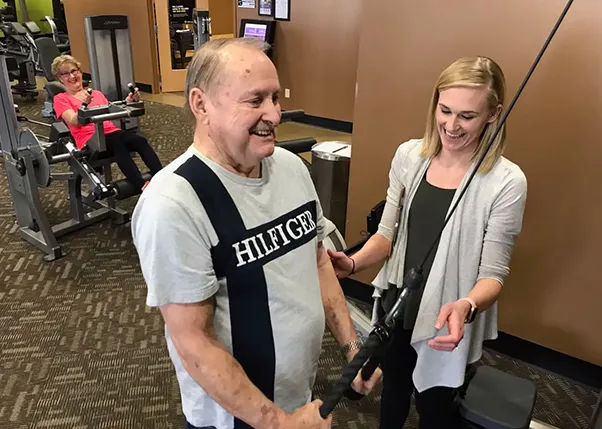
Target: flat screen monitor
[180, 11]
[258, 29]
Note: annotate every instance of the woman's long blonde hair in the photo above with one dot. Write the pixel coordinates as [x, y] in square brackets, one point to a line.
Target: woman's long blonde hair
[470, 72]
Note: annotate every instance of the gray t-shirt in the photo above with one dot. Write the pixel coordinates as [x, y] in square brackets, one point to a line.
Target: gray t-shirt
[174, 239]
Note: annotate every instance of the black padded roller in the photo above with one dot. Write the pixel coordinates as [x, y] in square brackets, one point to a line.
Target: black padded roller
[298, 145]
[125, 189]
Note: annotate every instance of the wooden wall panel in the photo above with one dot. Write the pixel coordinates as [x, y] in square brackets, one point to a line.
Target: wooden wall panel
[316, 55]
[144, 47]
[222, 16]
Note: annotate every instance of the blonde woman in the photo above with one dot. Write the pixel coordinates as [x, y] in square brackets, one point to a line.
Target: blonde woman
[454, 310]
[119, 143]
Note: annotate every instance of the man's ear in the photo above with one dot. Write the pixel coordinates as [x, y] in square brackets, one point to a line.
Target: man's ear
[495, 113]
[197, 100]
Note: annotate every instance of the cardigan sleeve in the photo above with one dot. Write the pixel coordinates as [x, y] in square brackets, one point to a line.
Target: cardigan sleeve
[395, 193]
[503, 227]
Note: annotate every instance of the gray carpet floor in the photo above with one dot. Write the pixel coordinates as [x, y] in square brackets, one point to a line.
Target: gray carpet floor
[79, 348]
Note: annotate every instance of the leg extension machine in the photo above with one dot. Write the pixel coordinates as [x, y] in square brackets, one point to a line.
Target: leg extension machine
[28, 167]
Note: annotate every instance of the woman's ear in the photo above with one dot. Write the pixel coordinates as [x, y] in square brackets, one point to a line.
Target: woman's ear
[495, 113]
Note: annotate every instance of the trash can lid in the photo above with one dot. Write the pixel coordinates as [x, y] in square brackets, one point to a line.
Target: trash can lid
[332, 150]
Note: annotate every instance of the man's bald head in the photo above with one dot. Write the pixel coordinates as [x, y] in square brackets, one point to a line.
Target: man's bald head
[209, 66]
[233, 92]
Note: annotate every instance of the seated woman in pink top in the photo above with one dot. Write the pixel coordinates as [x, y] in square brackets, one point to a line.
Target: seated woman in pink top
[119, 143]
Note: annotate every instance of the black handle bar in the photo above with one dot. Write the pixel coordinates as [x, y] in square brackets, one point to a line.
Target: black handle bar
[298, 145]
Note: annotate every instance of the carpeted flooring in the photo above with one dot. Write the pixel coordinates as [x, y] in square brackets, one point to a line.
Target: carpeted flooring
[79, 348]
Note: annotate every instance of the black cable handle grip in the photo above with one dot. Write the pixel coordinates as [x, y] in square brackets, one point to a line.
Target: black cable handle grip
[349, 374]
[370, 367]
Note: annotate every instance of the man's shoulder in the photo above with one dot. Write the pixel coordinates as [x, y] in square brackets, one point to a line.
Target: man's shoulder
[168, 189]
[283, 156]
[284, 162]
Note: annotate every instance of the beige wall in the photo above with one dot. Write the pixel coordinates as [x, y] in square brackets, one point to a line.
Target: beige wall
[222, 16]
[553, 296]
[139, 12]
[316, 55]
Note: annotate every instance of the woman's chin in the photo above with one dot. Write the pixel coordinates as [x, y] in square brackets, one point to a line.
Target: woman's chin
[76, 86]
[455, 145]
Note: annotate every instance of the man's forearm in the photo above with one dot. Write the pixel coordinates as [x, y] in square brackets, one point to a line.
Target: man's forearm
[223, 378]
[338, 318]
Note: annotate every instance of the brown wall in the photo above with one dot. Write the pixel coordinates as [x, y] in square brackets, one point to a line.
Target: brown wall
[316, 55]
[553, 295]
[222, 16]
[144, 48]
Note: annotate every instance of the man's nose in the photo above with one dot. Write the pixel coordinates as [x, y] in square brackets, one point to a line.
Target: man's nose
[272, 112]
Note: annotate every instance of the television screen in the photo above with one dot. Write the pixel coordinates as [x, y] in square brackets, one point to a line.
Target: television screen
[181, 10]
[257, 31]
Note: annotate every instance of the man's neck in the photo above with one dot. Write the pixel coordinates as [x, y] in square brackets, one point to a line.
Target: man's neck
[206, 146]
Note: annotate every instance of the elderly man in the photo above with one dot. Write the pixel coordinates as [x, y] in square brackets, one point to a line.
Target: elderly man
[229, 239]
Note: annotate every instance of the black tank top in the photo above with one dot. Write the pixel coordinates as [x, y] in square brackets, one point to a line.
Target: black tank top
[425, 219]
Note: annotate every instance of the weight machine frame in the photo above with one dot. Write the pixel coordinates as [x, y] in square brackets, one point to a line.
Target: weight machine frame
[28, 162]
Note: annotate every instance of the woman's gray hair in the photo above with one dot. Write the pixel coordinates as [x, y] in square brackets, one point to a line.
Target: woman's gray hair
[208, 63]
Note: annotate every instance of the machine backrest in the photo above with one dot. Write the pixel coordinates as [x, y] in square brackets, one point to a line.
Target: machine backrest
[48, 51]
[17, 28]
[32, 27]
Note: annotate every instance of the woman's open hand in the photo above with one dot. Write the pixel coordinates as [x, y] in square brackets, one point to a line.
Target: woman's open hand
[454, 314]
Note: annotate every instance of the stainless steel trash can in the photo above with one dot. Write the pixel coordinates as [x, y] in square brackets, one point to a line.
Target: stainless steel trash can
[330, 162]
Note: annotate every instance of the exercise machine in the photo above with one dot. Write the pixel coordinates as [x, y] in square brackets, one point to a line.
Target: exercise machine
[28, 163]
[48, 51]
[202, 27]
[300, 145]
[111, 61]
[21, 59]
[61, 39]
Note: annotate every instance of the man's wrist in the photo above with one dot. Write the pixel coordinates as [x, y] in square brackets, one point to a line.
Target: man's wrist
[353, 266]
[351, 348]
[281, 419]
[273, 418]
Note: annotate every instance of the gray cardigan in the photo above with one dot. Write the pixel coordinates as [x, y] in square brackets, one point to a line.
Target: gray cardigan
[477, 243]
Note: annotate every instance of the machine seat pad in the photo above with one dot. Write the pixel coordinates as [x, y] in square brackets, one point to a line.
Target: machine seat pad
[54, 88]
[497, 400]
